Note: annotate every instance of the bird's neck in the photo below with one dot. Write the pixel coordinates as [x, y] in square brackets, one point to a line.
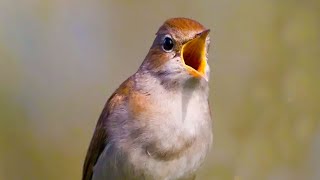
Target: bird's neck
[147, 81]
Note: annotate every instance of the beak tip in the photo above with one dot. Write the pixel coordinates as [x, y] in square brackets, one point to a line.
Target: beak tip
[205, 32]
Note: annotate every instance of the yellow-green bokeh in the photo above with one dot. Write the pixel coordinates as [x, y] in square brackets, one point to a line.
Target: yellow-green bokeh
[60, 60]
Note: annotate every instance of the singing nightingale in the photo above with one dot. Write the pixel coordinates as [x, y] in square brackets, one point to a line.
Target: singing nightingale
[157, 124]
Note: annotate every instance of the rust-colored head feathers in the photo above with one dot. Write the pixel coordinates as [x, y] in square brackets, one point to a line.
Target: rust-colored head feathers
[181, 28]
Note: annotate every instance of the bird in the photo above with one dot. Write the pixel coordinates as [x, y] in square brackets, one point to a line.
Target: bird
[157, 125]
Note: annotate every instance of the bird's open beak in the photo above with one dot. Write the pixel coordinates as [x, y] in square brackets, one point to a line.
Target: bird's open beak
[193, 55]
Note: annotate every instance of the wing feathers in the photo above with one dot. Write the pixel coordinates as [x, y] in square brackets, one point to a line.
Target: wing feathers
[100, 136]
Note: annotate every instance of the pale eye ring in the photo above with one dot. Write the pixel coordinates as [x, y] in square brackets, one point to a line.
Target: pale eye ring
[167, 44]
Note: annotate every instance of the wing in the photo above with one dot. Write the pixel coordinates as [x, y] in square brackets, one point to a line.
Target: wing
[100, 136]
[97, 144]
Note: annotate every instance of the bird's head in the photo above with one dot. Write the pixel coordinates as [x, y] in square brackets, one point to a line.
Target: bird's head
[179, 51]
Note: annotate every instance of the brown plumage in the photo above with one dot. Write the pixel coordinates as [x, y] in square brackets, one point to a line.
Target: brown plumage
[100, 138]
[157, 124]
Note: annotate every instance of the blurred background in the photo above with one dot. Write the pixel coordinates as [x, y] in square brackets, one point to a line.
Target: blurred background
[61, 60]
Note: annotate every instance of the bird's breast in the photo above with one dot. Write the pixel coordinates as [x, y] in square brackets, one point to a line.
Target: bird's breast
[175, 130]
[157, 134]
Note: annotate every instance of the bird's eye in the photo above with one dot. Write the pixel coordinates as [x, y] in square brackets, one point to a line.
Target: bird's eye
[167, 44]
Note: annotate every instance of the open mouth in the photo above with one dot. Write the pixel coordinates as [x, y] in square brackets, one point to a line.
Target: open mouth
[193, 55]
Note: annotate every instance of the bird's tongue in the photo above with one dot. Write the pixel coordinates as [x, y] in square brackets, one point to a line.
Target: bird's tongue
[194, 55]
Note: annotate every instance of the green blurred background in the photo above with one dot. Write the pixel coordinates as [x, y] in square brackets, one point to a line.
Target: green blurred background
[61, 60]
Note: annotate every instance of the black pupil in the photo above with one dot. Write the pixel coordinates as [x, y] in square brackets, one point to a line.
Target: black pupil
[167, 44]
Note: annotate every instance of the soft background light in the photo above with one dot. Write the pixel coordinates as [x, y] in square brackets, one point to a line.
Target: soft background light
[61, 60]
